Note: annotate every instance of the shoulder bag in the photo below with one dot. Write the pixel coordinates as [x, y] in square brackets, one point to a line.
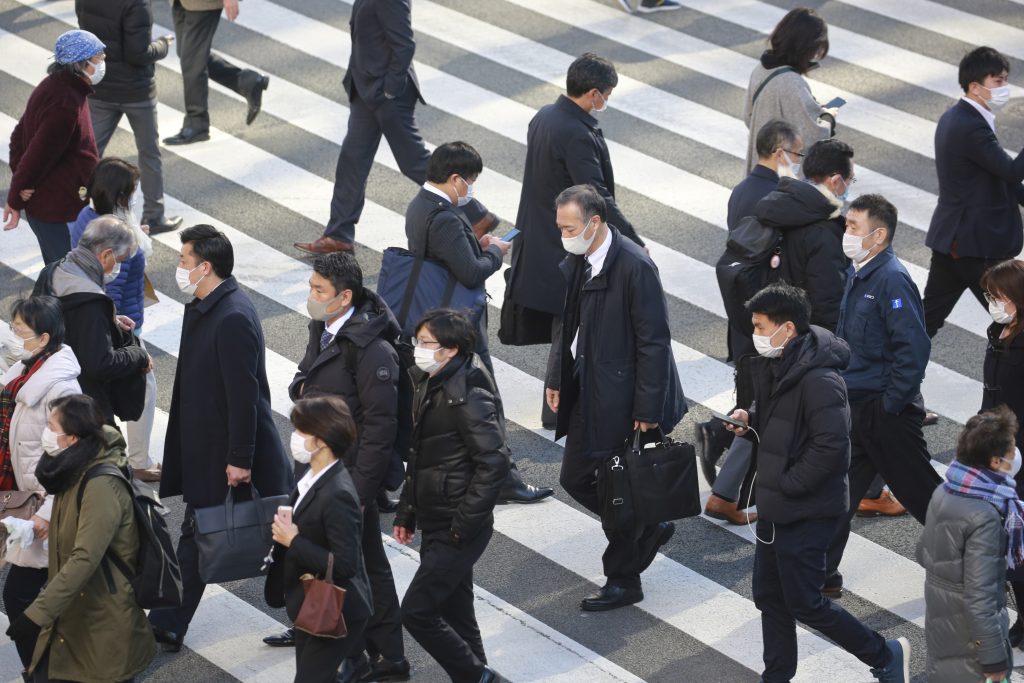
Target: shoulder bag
[321, 612]
[233, 538]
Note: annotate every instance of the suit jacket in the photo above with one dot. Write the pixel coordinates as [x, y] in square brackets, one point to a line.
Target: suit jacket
[979, 189]
[752, 189]
[564, 147]
[382, 51]
[202, 5]
[329, 521]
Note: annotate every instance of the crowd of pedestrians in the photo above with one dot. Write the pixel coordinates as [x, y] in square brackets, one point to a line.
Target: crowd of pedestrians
[829, 335]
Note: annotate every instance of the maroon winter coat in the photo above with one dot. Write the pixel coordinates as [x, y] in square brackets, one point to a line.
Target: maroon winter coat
[53, 149]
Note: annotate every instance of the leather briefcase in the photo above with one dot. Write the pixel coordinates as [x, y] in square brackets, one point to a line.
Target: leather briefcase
[663, 479]
[321, 612]
[233, 538]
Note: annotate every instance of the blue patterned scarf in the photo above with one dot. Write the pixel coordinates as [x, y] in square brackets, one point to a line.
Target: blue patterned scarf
[1000, 490]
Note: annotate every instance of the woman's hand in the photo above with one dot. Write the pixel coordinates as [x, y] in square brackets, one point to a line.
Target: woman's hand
[11, 217]
[41, 527]
[284, 532]
[403, 535]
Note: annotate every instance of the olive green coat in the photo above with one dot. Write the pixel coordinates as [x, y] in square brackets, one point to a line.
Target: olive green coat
[94, 636]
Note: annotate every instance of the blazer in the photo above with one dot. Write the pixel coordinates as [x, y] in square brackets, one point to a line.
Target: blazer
[978, 213]
[380, 64]
[329, 521]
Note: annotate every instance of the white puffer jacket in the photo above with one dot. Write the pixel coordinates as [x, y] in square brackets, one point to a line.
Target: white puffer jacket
[57, 377]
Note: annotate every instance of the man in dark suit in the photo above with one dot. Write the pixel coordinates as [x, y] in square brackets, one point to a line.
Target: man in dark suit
[195, 23]
[221, 431]
[977, 220]
[564, 147]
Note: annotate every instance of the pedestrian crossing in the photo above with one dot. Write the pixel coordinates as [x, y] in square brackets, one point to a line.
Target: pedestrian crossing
[701, 605]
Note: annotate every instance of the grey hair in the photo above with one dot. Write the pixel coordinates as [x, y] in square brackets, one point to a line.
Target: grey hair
[73, 68]
[109, 232]
[587, 199]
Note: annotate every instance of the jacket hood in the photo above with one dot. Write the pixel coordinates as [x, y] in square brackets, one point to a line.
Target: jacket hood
[60, 367]
[371, 320]
[817, 348]
[794, 204]
[114, 450]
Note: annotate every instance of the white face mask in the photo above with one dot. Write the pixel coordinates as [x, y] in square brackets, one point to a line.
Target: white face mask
[112, 275]
[100, 70]
[425, 359]
[579, 244]
[20, 352]
[462, 201]
[763, 344]
[788, 169]
[1000, 96]
[298, 448]
[997, 309]
[1014, 464]
[181, 276]
[604, 103]
[48, 440]
[853, 246]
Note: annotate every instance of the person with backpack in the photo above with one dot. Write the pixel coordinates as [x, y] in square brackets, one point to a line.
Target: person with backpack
[351, 354]
[87, 622]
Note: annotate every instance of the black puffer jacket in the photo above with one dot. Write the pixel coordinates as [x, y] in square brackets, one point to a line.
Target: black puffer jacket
[126, 28]
[802, 416]
[460, 456]
[812, 246]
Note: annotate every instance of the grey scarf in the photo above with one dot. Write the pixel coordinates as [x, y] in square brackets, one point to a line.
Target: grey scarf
[80, 271]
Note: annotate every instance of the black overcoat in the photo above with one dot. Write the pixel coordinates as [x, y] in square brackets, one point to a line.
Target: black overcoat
[382, 50]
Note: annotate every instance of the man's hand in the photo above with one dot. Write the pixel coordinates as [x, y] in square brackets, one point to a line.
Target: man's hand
[551, 396]
[231, 9]
[488, 240]
[125, 323]
[403, 535]
[236, 475]
[644, 426]
[743, 417]
[11, 217]
[40, 526]
[149, 368]
[26, 195]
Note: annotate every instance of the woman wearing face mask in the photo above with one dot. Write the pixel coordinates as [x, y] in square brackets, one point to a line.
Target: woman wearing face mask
[974, 532]
[53, 148]
[45, 371]
[458, 463]
[1004, 372]
[325, 523]
[86, 623]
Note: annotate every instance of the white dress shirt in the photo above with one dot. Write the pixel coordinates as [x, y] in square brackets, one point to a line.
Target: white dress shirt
[430, 188]
[596, 261]
[336, 326]
[307, 481]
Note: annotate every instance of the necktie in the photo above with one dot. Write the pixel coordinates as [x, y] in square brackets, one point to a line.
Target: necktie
[325, 339]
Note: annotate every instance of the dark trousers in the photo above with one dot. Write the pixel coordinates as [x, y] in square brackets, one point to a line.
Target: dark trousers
[383, 634]
[142, 118]
[177, 619]
[22, 587]
[194, 33]
[438, 606]
[788, 577]
[579, 477]
[317, 660]
[54, 238]
[892, 446]
[948, 277]
[395, 120]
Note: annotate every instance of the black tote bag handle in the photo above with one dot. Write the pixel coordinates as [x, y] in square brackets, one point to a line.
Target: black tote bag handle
[229, 509]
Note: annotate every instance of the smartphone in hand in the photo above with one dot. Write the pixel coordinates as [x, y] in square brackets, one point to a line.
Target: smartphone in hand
[510, 235]
[728, 420]
[285, 513]
[834, 103]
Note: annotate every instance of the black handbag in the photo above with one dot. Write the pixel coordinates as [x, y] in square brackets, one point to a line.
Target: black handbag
[233, 538]
[127, 394]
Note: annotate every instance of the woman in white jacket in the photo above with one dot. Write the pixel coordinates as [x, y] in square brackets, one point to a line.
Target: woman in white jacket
[47, 370]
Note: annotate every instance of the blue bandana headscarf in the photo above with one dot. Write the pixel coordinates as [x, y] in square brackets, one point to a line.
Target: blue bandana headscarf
[77, 46]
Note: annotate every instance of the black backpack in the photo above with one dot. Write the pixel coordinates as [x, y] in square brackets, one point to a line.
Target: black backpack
[751, 253]
[157, 576]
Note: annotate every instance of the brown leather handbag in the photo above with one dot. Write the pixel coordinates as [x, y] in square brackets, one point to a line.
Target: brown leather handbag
[321, 612]
[20, 504]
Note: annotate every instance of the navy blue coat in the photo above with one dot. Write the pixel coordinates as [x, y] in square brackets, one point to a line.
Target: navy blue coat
[882, 320]
[128, 290]
[220, 405]
[979, 189]
[749, 192]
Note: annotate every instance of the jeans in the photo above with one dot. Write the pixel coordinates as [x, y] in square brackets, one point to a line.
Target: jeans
[54, 238]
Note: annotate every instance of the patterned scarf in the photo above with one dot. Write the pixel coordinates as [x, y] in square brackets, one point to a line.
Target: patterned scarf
[7, 406]
[999, 489]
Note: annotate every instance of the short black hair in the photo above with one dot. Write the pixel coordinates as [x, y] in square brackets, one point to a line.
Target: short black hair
[987, 435]
[828, 157]
[879, 209]
[454, 157]
[210, 244]
[589, 71]
[112, 184]
[328, 418]
[774, 135]
[980, 63]
[452, 329]
[79, 415]
[42, 314]
[587, 199]
[342, 269]
[799, 39]
[781, 302]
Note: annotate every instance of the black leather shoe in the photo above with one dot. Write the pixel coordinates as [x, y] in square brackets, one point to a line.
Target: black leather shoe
[611, 597]
[255, 98]
[1016, 633]
[833, 588]
[524, 493]
[489, 676]
[163, 225]
[169, 640]
[383, 670]
[354, 669]
[659, 538]
[708, 450]
[386, 503]
[930, 418]
[284, 639]
[186, 136]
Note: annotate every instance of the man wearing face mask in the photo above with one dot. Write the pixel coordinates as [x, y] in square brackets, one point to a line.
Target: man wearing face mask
[220, 431]
[882, 320]
[799, 421]
[113, 367]
[610, 372]
[977, 221]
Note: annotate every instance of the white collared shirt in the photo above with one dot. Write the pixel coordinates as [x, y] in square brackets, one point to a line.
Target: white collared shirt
[430, 188]
[596, 261]
[336, 326]
[307, 481]
[989, 117]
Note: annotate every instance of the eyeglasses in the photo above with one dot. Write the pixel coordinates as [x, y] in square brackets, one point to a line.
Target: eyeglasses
[789, 151]
[426, 344]
[991, 299]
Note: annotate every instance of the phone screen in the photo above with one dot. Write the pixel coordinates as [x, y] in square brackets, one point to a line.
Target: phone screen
[510, 235]
[834, 103]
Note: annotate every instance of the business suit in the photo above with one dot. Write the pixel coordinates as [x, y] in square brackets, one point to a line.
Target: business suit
[977, 220]
[330, 522]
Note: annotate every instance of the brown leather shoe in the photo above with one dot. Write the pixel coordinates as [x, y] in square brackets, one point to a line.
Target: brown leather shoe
[885, 505]
[324, 245]
[485, 225]
[151, 475]
[720, 508]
